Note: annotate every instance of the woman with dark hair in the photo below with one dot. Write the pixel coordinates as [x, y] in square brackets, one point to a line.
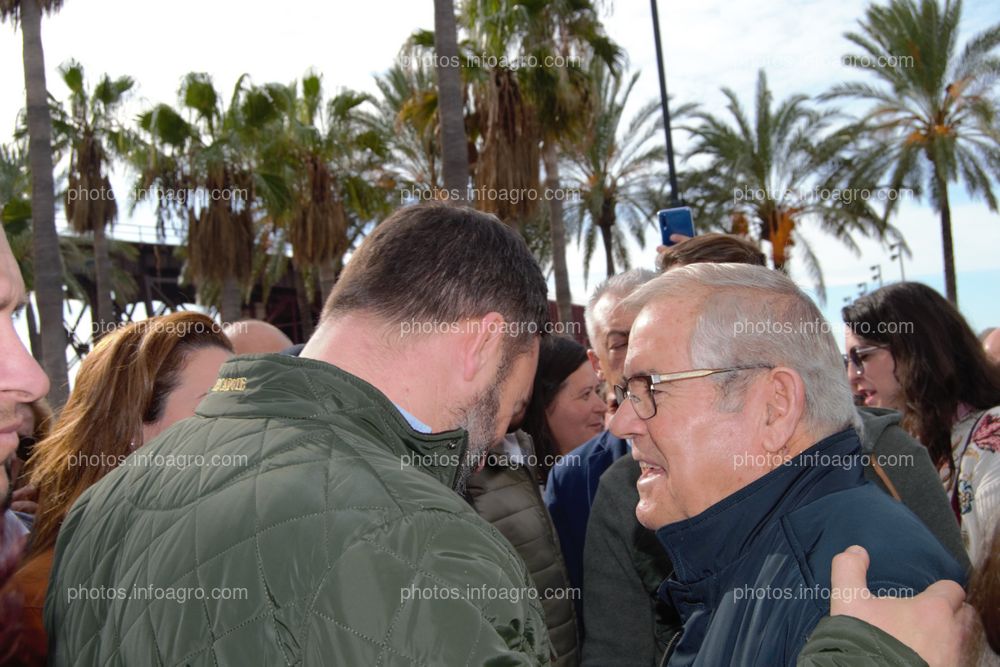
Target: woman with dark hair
[135, 383]
[909, 349]
[566, 408]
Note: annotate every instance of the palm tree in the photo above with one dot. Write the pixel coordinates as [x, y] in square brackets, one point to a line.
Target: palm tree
[92, 131]
[206, 163]
[613, 167]
[407, 115]
[48, 263]
[769, 175]
[934, 118]
[331, 155]
[502, 128]
[560, 35]
[77, 254]
[454, 146]
[546, 92]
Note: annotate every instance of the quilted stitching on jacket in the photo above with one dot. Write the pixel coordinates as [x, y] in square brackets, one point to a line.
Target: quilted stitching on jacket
[329, 533]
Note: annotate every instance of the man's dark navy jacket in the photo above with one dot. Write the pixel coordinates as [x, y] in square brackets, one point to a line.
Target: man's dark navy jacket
[752, 573]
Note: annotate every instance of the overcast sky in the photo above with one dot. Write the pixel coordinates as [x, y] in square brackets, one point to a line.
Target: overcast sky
[707, 44]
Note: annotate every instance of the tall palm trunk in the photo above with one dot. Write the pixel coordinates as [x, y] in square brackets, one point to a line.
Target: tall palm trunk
[328, 274]
[102, 270]
[230, 301]
[454, 147]
[33, 337]
[304, 304]
[607, 226]
[950, 284]
[47, 260]
[609, 257]
[557, 230]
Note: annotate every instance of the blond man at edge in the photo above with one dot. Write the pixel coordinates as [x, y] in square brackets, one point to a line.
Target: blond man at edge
[21, 381]
[751, 468]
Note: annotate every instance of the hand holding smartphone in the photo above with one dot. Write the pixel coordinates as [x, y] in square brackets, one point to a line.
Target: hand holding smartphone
[675, 221]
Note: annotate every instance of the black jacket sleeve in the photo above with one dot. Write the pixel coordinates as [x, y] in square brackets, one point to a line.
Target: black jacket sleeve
[622, 565]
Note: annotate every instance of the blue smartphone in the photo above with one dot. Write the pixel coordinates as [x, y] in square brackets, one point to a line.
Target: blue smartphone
[675, 221]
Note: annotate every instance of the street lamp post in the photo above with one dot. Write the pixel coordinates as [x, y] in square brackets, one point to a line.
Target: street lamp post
[877, 273]
[674, 197]
[897, 253]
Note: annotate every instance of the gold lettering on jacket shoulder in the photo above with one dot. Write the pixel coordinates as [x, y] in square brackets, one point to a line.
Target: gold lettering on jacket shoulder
[230, 384]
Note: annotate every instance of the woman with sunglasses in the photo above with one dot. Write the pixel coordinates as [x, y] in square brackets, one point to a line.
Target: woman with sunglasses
[910, 350]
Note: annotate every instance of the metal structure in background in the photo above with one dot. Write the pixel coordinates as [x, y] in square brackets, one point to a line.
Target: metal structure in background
[877, 274]
[675, 199]
[156, 271]
[897, 253]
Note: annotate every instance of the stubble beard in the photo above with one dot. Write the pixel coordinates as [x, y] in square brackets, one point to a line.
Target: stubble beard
[479, 419]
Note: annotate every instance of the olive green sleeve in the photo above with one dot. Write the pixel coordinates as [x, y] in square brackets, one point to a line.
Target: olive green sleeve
[844, 641]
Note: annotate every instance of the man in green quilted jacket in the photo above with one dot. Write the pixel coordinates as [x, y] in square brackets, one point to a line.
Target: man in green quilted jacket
[311, 512]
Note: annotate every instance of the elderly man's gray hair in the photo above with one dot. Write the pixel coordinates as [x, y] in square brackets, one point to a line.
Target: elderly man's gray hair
[620, 285]
[752, 315]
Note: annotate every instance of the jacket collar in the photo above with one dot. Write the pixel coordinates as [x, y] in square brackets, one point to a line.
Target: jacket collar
[287, 387]
[708, 543]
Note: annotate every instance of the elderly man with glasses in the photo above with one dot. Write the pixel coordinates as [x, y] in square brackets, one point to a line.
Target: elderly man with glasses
[751, 466]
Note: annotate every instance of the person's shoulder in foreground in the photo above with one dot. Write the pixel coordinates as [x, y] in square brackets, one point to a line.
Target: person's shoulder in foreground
[906, 557]
[768, 600]
[936, 628]
[325, 500]
[311, 512]
[843, 641]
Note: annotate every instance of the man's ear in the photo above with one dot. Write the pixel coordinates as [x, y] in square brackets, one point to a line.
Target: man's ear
[784, 401]
[596, 363]
[482, 345]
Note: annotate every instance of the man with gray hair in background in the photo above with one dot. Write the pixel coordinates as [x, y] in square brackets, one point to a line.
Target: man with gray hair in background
[735, 400]
[572, 482]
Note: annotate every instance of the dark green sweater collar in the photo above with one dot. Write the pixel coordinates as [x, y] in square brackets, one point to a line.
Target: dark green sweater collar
[286, 387]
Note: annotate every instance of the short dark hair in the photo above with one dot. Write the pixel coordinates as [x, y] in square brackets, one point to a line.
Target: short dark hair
[435, 262]
[940, 363]
[716, 248]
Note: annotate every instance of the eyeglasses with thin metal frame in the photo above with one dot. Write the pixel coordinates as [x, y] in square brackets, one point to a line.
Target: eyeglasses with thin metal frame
[638, 389]
[857, 355]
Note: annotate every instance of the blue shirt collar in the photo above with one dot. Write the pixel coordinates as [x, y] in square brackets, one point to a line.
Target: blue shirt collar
[414, 423]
